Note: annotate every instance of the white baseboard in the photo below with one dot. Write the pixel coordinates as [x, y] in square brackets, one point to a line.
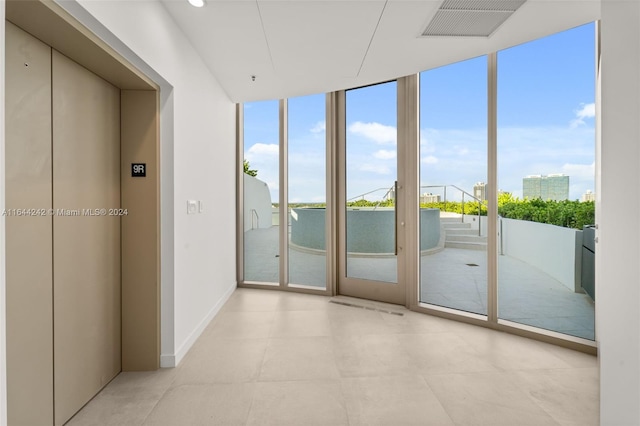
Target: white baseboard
[167, 361]
[172, 360]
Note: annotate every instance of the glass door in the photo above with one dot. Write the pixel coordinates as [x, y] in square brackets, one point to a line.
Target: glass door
[453, 192]
[369, 195]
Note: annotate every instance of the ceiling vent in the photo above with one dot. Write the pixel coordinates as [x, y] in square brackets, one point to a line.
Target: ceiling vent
[470, 18]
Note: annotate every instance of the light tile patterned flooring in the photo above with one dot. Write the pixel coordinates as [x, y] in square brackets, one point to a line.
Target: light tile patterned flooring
[526, 294]
[276, 358]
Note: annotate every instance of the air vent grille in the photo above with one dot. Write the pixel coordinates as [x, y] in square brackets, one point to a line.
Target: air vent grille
[482, 5]
[470, 18]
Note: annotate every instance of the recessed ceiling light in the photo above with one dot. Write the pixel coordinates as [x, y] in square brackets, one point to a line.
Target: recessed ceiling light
[196, 3]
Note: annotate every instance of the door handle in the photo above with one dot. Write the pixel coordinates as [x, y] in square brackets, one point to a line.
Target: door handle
[395, 217]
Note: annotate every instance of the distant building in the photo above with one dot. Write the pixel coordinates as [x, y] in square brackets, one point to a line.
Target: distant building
[428, 197]
[588, 196]
[547, 187]
[480, 191]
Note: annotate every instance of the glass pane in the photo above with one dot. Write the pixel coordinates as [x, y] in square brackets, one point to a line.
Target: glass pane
[546, 160]
[453, 172]
[370, 177]
[307, 191]
[261, 180]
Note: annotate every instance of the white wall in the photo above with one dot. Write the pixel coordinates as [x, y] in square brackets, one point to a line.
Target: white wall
[473, 220]
[3, 359]
[256, 197]
[618, 249]
[550, 248]
[198, 163]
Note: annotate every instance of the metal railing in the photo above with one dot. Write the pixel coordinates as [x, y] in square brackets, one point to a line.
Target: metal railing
[254, 214]
[386, 195]
[464, 193]
[391, 194]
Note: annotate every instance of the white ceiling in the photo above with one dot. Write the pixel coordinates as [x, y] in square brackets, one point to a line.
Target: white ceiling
[299, 47]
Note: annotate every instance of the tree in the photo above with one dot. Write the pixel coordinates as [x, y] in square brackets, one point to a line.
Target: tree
[247, 170]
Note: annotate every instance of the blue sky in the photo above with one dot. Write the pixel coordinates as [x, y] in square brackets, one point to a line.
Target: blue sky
[546, 92]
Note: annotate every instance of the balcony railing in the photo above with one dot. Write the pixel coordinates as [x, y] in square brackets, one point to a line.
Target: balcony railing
[464, 194]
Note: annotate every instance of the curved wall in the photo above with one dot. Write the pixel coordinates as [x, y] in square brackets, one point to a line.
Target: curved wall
[369, 231]
[429, 228]
[307, 228]
[257, 203]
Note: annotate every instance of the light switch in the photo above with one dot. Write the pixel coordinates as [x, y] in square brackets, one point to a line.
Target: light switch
[200, 206]
[192, 207]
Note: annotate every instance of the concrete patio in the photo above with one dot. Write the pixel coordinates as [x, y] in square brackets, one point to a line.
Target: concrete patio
[526, 294]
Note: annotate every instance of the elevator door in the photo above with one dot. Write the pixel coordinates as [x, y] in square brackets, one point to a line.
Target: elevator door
[86, 239]
[63, 248]
[28, 238]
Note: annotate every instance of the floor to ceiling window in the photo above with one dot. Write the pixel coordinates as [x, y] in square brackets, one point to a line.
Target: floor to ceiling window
[504, 224]
[546, 178]
[261, 191]
[453, 176]
[306, 148]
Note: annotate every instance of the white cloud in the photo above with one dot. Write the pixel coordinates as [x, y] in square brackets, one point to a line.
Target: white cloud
[426, 141]
[580, 171]
[307, 175]
[581, 175]
[553, 143]
[546, 150]
[379, 133]
[375, 168]
[461, 150]
[429, 159]
[264, 158]
[521, 151]
[453, 141]
[320, 127]
[385, 154]
[262, 149]
[585, 111]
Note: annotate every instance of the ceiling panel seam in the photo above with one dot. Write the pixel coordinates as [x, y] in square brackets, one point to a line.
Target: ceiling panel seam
[266, 39]
[372, 37]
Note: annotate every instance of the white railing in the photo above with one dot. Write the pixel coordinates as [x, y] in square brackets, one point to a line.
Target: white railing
[464, 193]
[256, 217]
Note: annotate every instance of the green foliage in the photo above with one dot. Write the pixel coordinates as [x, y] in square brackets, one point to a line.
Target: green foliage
[247, 169]
[367, 203]
[469, 207]
[505, 197]
[305, 205]
[568, 214]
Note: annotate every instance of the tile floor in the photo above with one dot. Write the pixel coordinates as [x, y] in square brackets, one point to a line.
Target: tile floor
[276, 358]
[527, 295]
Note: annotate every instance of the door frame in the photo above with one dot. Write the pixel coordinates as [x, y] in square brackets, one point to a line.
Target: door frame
[409, 268]
[406, 206]
[140, 143]
[140, 132]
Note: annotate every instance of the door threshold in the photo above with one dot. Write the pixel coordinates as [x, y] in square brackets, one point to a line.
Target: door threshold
[369, 305]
